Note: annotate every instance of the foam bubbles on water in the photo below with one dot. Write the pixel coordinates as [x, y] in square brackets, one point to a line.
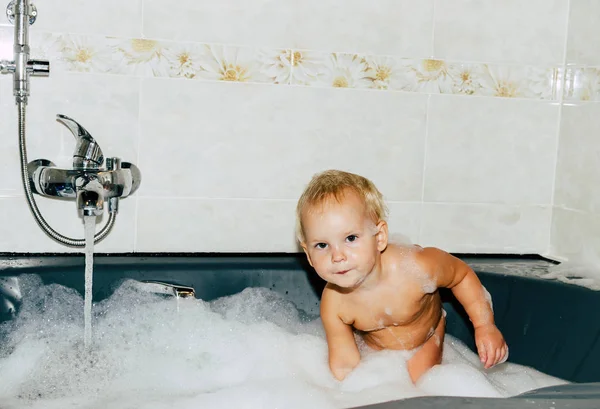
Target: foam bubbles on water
[250, 350]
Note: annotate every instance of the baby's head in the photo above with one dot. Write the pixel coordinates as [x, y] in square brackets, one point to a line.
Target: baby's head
[340, 223]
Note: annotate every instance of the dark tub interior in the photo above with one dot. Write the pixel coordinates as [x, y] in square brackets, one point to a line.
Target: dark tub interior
[551, 326]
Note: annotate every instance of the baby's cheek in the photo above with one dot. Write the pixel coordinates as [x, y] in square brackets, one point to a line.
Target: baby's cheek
[320, 265]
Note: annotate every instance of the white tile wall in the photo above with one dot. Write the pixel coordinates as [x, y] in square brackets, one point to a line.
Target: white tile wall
[404, 221]
[399, 27]
[253, 141]
[236, 225]
[490, 150]
[107, 17]
[576, 236]
[532, 31]
[215, 225]
[20, 233]
[576, 223]
[578, 168]
[486, 228]
[584, 32]
[223, 163]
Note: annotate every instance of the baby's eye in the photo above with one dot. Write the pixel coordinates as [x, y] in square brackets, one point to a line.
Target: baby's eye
[321, 245]
[352, 237]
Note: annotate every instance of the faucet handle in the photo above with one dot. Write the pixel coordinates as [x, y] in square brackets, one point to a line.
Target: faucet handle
[87, 154]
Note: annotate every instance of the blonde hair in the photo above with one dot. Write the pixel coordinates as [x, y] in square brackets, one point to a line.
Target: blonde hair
[334, 183]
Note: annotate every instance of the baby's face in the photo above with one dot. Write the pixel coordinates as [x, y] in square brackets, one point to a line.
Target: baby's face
[342, 243]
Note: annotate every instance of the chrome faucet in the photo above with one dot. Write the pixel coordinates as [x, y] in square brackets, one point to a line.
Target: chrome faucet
[87, 183]
[87, 153]
[22, 14]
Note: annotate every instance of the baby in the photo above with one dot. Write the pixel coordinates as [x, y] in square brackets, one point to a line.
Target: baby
[387, 292]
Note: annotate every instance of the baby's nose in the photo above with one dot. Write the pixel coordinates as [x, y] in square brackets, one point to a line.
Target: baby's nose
[337, 255]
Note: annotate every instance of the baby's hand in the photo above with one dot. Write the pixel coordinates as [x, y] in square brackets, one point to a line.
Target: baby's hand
[491, 345]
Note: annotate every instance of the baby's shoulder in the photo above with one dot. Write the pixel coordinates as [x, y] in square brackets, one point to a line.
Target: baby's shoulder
[399, 256]
[331, 294]
[331, 300]
[410, 261]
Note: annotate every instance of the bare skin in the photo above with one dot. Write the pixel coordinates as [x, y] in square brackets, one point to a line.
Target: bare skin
[388, 293]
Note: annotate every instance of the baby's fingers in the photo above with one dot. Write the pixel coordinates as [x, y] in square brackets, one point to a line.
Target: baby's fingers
[482, 352]
[499, 355]
[491, 355]
[505, 355]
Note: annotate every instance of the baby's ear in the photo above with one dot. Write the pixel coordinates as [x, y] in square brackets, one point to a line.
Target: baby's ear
[382, 235]
[306, 252]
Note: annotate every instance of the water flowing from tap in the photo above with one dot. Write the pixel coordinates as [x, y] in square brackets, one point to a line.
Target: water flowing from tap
[90, 228]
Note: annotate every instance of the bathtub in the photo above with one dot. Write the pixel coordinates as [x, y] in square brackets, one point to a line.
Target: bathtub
[546, 323]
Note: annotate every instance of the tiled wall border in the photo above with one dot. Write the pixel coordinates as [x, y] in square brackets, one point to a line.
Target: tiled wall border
[215, 62]
[582, 84]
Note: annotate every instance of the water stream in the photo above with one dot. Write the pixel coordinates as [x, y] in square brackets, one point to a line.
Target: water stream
[90, 228]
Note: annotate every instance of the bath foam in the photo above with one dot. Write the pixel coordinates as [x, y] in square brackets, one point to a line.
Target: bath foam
[249, 350]
[570, 272]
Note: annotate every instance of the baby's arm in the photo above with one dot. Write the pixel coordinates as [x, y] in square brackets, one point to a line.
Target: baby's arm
[343, 352]
[451, 272]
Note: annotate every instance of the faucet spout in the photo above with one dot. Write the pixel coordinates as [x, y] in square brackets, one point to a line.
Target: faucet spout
[90, 194]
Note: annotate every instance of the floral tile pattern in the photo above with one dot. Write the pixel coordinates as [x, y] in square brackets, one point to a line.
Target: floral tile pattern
[151, 58]
[428, 75]
[214, 62]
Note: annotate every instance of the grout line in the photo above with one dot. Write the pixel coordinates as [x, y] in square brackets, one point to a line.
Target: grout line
[139, 144]
[558, 129]
[142, 19]
[421, 218]
[135, 223]
[433, 31]
[570, 209]
[267, 199]
[425, 143]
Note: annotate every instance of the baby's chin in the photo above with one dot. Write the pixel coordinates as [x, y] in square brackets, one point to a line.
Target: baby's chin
[349, 283]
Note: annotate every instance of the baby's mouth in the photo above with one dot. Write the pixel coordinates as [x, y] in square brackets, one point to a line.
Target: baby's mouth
[342, 272]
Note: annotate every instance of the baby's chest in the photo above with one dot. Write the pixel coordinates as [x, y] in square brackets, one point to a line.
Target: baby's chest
[383, 311]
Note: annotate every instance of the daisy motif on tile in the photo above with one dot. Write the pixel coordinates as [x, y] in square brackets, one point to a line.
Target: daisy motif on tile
[307, 66]
[276, 65]
[141, 57]
[84, 53]
[465, 78]
[388, 72]
[230, 63]
[520, 82]
[430, 76]
[501, 81]
[183, 59]
[336, 70]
